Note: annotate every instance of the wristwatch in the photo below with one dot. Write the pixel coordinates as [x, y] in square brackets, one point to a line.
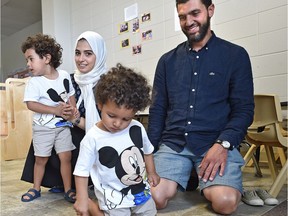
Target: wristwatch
[225, 144]
[77, 121]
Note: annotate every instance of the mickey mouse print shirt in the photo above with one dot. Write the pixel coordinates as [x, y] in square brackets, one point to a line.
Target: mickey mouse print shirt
[49, 92]
[115, 162]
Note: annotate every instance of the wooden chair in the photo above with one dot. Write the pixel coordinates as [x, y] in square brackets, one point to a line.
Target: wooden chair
[266, 131]
[3, 110]
[16, 142]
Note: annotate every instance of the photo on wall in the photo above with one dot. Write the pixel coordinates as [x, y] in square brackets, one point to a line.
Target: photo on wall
[123, 27]
[146, 35]
[145, 17]
[125, 43]
[135, 25]
[137, 49]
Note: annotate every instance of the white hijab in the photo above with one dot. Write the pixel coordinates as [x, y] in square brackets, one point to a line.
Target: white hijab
[87, 81]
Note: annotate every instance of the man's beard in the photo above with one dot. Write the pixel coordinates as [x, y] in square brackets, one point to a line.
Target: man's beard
[203, 29]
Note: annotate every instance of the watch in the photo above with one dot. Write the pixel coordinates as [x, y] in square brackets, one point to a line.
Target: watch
[225, 144]
[77, 121]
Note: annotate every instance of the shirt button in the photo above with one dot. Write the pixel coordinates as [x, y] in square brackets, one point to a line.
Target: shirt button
[186, 134]
[195, 73]
[189, 122]
[191, 106]
[197, 57]
[193, 90]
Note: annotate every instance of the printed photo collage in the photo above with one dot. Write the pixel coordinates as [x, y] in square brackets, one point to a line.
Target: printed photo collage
[135, 28]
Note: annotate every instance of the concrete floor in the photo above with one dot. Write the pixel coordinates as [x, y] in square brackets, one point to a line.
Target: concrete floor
[184, 204]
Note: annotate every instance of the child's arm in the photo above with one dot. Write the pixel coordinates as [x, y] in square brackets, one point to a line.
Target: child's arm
[153, 177]
[59, 110]
[76, 119]
[81, 204]
[72, 101]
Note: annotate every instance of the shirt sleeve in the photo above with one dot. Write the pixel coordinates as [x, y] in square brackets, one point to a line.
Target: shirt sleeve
[148, 148]
[241, 100]
[86, 156]
[157, 110]
[31, 91]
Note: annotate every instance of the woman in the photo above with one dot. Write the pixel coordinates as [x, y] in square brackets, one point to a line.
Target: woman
[90, 60]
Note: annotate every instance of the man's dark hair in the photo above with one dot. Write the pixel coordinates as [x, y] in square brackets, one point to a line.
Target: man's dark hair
[207, 3]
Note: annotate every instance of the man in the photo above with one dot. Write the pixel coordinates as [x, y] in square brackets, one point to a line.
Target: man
[202, 106]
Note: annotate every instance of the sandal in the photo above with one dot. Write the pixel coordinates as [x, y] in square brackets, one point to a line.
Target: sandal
[31, 196]
[56, 189]
[70, 196]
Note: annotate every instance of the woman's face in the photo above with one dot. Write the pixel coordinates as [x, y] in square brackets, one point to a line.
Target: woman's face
[85, 58]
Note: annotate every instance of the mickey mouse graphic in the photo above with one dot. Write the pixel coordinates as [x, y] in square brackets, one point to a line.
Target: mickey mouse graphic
[129, 168]
[63, 97]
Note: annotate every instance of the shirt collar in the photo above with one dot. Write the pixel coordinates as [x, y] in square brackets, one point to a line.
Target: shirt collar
[207, 45]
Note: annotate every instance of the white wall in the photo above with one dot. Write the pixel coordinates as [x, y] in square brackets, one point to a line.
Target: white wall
[261, 27]
[57, 22]
[258, 25]
[12, 57]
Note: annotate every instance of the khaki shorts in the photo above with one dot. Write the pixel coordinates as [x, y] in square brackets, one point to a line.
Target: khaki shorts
[44, 139]
[146, 209]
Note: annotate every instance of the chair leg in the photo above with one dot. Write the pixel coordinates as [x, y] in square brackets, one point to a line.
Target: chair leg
[258, 172]
[280, 181]
[271, 161]
[249, 154]
[282, 155]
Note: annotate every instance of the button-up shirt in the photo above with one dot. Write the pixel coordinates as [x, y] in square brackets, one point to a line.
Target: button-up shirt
[202, 96]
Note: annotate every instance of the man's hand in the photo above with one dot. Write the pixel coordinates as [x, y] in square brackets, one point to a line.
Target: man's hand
[214, 160]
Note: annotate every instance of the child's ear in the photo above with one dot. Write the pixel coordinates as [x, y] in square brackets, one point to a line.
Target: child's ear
[47, 58]
[99, 105]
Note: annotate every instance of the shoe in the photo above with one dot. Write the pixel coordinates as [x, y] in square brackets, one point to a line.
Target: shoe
[31, 196]
[70, 196]
[266, 197]
[251, 198]
[57, 189]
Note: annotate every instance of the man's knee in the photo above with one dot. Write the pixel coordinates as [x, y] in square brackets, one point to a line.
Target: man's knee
[163, 192]
[224, 199]
[225, 204]
[160, 201]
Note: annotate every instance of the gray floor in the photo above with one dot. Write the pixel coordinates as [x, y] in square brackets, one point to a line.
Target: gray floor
[184, 204]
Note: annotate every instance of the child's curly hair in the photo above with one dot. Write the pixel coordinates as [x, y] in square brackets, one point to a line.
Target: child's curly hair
[125, 87]
[43, 45]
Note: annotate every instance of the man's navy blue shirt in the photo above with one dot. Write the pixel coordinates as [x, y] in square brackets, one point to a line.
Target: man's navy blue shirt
[202, 96]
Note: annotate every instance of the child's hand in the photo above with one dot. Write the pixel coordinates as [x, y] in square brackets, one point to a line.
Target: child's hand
[58, 110]
[65, 110]
[153, 179]
[81, 207]
[62, 110]
[76, 113]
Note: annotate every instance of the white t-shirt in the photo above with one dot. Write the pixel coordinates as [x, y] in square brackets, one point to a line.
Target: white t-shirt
[49, 92]
[115, 162]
